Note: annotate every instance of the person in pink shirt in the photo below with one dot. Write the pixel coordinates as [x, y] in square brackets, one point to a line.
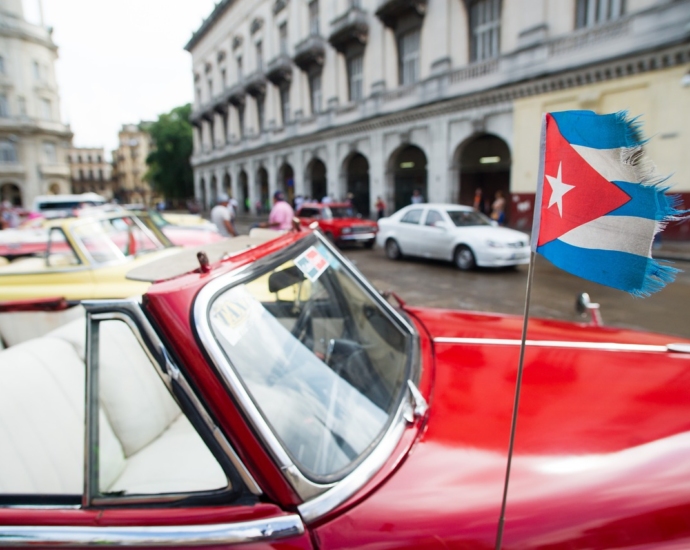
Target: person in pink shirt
[281, 214]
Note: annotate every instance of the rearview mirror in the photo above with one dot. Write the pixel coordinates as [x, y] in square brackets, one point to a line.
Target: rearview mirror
[285, 278]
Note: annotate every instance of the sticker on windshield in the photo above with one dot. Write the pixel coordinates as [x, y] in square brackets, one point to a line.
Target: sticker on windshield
[234, 313]
[312, 263]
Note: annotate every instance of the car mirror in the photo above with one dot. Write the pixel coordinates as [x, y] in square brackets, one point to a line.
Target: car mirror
[285, 278]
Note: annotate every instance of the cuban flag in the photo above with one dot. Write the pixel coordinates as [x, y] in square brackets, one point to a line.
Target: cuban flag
[599, 204]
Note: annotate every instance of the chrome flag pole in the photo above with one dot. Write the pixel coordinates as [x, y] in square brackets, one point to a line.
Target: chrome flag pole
[525, 322]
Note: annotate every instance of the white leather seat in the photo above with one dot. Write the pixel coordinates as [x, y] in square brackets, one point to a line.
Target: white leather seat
[146, 444]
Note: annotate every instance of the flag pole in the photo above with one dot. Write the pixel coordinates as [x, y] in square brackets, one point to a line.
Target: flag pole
[528, 294]
[516, 401]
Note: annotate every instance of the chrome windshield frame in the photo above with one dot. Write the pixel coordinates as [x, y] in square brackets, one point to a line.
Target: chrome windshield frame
[318, 498]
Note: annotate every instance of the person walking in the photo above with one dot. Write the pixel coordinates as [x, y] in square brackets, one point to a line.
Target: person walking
[222, 218]
[417, 197]
[380, 208]
[498, 208]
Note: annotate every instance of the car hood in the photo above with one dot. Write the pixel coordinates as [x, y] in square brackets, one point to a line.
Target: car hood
[602, 451]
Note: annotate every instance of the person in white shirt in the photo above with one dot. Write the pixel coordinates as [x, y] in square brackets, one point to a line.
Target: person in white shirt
[221, 216]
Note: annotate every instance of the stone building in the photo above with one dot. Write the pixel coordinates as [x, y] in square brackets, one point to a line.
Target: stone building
[381, 97]
[33, 141]
[129, 164]
[90, 172]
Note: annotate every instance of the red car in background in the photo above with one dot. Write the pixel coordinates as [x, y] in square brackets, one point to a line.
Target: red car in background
[339, 222]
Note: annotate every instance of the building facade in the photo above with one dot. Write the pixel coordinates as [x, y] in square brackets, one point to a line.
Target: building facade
[34, 143]
[90, 172]
[382, 97]
[129, 165]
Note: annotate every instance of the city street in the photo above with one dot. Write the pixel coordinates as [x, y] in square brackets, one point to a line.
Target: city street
[431, 283]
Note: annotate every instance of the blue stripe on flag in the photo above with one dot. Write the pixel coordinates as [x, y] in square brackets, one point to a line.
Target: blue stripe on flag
[639, 275]
[589, 129]
[647, 201]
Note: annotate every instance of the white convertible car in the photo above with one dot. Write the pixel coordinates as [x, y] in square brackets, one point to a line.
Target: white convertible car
[454, 233]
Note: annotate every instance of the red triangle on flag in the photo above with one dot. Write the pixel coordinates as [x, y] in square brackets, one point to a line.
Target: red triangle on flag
[590, 197]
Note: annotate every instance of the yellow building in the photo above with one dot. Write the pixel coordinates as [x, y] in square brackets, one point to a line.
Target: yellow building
[129, 164]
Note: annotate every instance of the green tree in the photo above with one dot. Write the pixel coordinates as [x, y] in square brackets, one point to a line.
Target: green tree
[170, 172]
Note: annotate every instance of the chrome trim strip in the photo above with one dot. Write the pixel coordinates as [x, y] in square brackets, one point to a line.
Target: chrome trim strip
[164, 536]
[167, 370]
[605, 346]
[325, 496]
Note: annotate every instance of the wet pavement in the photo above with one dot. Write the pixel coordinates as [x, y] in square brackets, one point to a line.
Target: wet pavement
[439, 284]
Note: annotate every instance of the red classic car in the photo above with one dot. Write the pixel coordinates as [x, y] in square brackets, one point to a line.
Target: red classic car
[339, 223]
[266, 396]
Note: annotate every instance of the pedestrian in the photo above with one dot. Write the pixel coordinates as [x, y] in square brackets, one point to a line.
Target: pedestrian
[281, 214]
[380, 208]
[222, 217]
[498, 208]
[417, 197]
[299, 201]
[234, 208]
[326, 200]
[478, 203]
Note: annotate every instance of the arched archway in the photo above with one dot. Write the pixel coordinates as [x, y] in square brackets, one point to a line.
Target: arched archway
[11, 192]
[286, 182]
[244, 191]
[356, 168]
[485, 165]
[263, 202]
[408, 168]
[214, 190]
[202, 185]
[227, 184]
[316, 179]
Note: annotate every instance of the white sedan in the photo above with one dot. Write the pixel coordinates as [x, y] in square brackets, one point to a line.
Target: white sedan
[454, 233]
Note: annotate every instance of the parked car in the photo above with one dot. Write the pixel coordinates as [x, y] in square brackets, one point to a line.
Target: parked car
[274, 399]
[60, 206]
[453, 233]
[84, 258]
[185, 229]
[339, 222]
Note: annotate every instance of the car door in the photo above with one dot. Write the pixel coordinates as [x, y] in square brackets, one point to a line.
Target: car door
[141, 464]
[410, 233]
[436, 238]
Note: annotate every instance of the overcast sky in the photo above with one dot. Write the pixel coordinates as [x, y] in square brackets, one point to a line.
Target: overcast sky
[120, 61]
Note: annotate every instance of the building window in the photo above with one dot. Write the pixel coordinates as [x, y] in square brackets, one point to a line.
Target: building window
[239, 68]
[46, 109]
[81, 174]
[408, 49]
[259, 55]
[596, 12]
[240, 116]
[355, 75]
[261, 112]
[314, 17]
[283, 38]
[50, 152]
[285, 103]
[37, 70]
[315, 92]
[8, 152]
[4, 107]
[485, 27]
[100, 175]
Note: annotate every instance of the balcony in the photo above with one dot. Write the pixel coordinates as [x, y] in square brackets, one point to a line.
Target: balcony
[390, 11]
[349, 30]
[310, 52]
[255, 83]
[55, 170]
[279, 69]
[236, 93]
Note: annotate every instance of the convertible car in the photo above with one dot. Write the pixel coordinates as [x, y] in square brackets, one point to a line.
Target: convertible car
[266, 396]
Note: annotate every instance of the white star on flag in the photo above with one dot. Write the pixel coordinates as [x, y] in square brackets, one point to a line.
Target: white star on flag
[558, 189]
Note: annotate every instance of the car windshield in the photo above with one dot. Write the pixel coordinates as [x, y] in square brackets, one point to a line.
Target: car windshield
[112, 239]
[465, 218]
[342, 211]
[324, 362]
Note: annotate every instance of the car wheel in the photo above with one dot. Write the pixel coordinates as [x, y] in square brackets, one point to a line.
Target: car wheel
[464, 258]
[393, 250]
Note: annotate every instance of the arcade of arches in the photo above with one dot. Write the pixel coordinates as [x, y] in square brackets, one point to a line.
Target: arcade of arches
[483, 162]
[11, 192]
